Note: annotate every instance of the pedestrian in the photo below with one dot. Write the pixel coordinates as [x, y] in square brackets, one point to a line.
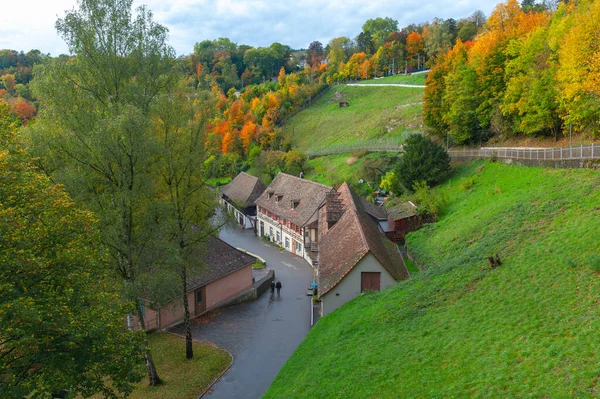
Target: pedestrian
[278, 286]
[272, 287]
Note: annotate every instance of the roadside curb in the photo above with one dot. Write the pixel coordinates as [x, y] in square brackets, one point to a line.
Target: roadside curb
[214, 345]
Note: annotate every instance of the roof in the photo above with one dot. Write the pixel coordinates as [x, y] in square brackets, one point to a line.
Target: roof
[218, 260]
[402, 211]
[348, 241]
[287, 188]
[375, 211]
[244, 188]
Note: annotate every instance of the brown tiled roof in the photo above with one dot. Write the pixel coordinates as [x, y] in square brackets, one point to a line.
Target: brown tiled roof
[404, 210]
[244, 188]
[376, 211]
[352, 238]
[218, 260]
[287, 188]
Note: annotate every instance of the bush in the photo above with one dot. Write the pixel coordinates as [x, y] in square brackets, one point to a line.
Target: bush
[423, 160]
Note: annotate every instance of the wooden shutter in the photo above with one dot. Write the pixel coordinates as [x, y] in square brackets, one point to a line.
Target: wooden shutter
[370, 281]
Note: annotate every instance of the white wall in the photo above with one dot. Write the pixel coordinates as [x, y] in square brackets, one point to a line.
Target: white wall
[277, 228]
[349, 287]
[237, 213]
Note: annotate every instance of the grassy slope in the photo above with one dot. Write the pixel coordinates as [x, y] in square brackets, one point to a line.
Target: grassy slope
[418, 79]
[338, 168]
[372, 112]
[527, 329]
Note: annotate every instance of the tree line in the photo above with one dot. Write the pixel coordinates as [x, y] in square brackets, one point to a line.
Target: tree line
[532, 71]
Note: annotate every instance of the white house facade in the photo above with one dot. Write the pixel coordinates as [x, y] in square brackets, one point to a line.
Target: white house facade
[287, 211]
[238, 197]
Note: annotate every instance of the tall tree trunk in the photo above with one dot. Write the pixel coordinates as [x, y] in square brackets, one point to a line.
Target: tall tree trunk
[153, 378]
[189, 351]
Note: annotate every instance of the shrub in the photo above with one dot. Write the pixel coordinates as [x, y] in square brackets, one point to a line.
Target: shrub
[423, 160]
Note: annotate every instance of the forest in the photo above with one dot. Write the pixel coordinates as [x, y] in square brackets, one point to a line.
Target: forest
[529, 73]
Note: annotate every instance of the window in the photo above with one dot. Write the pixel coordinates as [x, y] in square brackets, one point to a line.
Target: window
[271, 231]
[199, 296]
[269, 194]
[278, 237]
[287, 243]
[298, 247]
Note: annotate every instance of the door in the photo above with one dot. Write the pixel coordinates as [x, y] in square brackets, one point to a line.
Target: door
[200, 300]
[262, 228]
[370, 281]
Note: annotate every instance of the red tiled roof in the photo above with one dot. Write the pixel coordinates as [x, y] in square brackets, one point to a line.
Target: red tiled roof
[348, 241]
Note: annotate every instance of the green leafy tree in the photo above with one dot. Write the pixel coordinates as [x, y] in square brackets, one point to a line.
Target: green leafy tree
[422, 160]
[61, 322]
[294, 162]
[97, 130]
[188, 204]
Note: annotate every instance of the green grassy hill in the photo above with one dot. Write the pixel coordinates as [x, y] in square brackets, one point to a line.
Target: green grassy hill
[530, 328]
[374, 113]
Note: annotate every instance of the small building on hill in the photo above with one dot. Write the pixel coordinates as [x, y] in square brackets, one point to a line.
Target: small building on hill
[239, 195]
[354, 254]
[287, 213]
[403, 219]
[224, 274]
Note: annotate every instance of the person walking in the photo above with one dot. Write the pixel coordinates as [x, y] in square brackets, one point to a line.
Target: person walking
[272, 287]
[278, 286]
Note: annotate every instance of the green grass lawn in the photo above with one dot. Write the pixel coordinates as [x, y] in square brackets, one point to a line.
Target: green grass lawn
[332, 170]
[418, 79]
[374, 113]
[182, 379]
[529, 328]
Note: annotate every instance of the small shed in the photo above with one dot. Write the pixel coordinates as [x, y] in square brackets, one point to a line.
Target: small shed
[404, 218]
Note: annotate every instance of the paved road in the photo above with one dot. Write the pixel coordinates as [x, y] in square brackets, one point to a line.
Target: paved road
[261, 335]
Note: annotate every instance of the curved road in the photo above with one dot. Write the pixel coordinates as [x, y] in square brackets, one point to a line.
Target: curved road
[261, 335]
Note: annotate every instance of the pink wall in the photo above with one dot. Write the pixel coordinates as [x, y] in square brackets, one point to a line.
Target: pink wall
[216, 292]
[223, 288]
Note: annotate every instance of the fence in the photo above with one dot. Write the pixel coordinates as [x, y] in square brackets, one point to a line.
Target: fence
[540, 154]
[387, 145]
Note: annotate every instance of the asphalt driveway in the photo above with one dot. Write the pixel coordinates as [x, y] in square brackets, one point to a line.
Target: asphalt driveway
[261, 335]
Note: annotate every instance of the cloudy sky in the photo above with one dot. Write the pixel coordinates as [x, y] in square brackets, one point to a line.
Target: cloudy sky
[24, 26]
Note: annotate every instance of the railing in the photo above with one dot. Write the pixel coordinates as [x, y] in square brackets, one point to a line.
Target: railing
[386, 145]
[553, 154]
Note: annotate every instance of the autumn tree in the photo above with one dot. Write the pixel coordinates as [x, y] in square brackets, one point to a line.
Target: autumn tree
[96, 120]
[314, 54]
[61, 322]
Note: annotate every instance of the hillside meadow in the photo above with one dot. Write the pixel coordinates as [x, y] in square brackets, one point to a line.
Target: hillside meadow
[375, 113]
[529, 328]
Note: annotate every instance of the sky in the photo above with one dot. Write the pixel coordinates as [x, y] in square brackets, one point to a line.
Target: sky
[253, 22]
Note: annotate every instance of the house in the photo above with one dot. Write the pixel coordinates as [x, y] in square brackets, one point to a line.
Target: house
[403, 219]
[225, 273]
[287, 213]
[239, 195]
[354, 254]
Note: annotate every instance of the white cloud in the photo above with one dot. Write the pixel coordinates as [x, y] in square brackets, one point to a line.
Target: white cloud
[253, 22]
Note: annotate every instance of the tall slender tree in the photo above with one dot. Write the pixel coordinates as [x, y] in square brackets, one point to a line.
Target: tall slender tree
[96, 120]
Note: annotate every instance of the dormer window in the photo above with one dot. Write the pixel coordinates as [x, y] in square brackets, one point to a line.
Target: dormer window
[269, 194]
[295, 203]
[278, 198]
